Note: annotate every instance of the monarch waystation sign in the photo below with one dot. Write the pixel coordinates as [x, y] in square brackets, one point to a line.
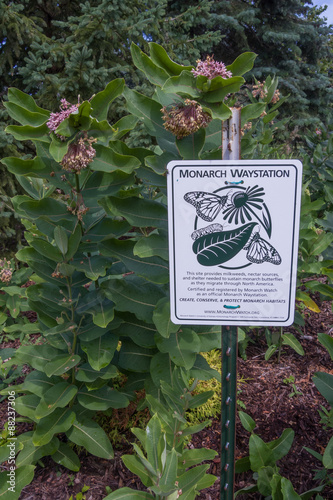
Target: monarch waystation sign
[233, 240]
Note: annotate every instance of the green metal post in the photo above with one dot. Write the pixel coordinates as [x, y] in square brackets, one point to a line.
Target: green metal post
[228, 414]
[231, 136]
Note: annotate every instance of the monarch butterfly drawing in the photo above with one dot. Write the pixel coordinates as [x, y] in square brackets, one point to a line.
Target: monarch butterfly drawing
[208, 205]
[259, 251]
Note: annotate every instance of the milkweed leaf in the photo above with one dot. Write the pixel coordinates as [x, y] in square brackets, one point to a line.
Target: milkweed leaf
[216, 248]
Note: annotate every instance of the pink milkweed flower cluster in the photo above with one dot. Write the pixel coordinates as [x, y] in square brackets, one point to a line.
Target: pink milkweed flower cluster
[66, 108]
[211, 68]
[79, 155]
[185, 119]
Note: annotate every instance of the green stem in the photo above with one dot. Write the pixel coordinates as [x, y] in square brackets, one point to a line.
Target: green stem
[280, 345]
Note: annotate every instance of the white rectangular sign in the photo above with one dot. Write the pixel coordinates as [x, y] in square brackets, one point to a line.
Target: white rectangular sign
[233, 241]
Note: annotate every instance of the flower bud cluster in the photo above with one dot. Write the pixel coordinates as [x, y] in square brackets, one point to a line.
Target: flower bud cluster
[261, 90]
[79, 155]
[6, 272]
[66, 108]
[211, 68]
[185, 119]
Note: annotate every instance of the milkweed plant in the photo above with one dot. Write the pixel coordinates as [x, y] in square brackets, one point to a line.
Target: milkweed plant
[95, 215]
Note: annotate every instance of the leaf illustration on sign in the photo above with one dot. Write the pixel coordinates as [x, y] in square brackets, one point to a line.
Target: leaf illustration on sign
[216, 248]
[259, 251]
[208, 205]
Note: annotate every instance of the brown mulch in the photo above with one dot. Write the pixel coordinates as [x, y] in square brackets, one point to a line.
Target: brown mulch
[266, 398]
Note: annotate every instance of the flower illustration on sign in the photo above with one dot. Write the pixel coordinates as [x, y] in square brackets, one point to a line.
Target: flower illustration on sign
[243, 208]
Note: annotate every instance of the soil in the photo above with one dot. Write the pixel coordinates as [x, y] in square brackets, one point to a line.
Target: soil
[263, 394]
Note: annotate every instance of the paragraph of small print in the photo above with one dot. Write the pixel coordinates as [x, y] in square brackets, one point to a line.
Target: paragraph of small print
[11, 481]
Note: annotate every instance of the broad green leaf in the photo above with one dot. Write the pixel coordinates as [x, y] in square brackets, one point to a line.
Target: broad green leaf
[218, 111]
[59, 421]
[26, 406]
[191, 477]
[101, 351]
[160, 57]
[134, 358]
[27, 132]
[140, 332]
[220, 87]
[61, 364]
[251, 111]
[61, 239]
[18, 166]
[307, 301]
[25, 116]
[155, 74]
[136, 466]
[153, 269]
[31, 454]
[101, 101]
[138, 212]
[260, 453]
[290, 339]
[169, 476]
[183, 84]
[242, 64]
[148, 110]
[107, 160]
[153, 245]
[288, 491]
[195, 456]
[129, 494]
[92, 266]
[102, 399]
[86, 432]
[265, 475]
[154, 442]
[67, 457]
[23, 476]
[101, 308]
[324, 383]
[242, 465]
[26, 101]
[281, 446]
[107, 228]
[328, 455]
[181, 346]
[74, 242]
[45, 248]
[48, 207]
[203, 371]
[87, 374]
[247, 422]
[190, 146]
[161, 318]
[124, 125]
[105, 184]
[276, 487]
[38, 383]
[327, 341]
[270, 351]
[57, 397]
[161, 368]
[37, 356]
[134, 295]
[58, 148]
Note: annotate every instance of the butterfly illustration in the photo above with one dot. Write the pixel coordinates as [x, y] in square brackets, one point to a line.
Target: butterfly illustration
[208, 205]
[259, 251]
